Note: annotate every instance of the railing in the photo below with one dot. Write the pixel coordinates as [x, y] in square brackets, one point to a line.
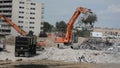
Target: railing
[5, 8]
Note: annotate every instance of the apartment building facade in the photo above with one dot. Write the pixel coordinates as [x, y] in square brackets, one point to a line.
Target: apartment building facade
[26, 14]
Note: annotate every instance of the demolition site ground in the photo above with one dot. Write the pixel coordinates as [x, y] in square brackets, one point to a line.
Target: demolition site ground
[92, 53]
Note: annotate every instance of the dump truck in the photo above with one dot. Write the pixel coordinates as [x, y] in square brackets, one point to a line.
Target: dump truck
[25, 44]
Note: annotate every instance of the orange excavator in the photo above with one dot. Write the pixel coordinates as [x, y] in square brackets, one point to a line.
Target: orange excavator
[25, 44]
[68, 39]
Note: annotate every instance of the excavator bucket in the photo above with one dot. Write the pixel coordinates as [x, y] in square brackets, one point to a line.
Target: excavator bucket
[89, 18]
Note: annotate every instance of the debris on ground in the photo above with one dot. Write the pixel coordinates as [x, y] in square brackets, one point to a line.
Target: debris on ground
[97, 52]
[19, 60]
[96, 44]
[83, 59]
[6, 61]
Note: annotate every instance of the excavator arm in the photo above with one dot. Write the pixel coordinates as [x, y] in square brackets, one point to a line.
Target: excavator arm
[68, 36]
[22, 32]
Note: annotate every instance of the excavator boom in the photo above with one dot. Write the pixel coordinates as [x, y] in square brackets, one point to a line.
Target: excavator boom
[68, 36]
[79, 10]
[22, 32]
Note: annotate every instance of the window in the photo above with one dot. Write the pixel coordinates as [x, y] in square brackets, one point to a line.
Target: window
[7, 11]
[20, 21]
[2, 20]
[8, 30]
[32, 8]
[33, 4]
[42, 7]
[27, 13]
[32, 22]
[21, 12]
[0, 1]
[7, 1]
[26, 17]
[5, 25]
[32, 17]
[32, 13]
[0, 11]
[42, 23]
[5, 30]
[21, 7]
[42, 12]
[0, 6]
[42, 17]
[41, 27]
[28, 0]
[8, 16]
[21, 2]
[20, 26]
[7, 6]
[20, 17]
[31, 27]
[27, 8]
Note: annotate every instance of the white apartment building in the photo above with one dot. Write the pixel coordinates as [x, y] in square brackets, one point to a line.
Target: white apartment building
[26, 14]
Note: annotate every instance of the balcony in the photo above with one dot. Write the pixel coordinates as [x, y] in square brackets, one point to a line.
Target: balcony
[5, 13]
[7, 3]
[3, 4]
[6, 9]
[5, 33]
[6, 28]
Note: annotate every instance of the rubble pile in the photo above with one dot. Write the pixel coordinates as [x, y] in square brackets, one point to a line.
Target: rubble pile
[95, 44]
[87, 56]
[91, 51]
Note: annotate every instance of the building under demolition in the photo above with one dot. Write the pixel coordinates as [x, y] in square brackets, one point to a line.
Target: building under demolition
[28, 15]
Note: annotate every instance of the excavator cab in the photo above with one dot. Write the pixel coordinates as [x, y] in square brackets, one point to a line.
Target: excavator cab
[75, 37]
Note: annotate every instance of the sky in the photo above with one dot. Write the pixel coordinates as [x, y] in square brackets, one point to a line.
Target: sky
[107, 11]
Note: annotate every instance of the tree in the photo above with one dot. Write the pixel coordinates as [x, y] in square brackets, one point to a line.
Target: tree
[61, 26]
[47, 27]
[84, 33]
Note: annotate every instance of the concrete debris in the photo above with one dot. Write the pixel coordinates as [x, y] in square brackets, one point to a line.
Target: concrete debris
[83, 59]
[91, 51]
[19, 60]
[96, 44]
[6, 61]
[70, 55]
